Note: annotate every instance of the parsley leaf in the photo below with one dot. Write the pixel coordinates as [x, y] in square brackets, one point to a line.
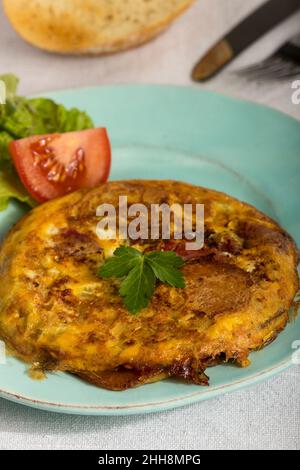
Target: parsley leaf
[140, 273]
[121, 263]
[138, 287]
[165, 265]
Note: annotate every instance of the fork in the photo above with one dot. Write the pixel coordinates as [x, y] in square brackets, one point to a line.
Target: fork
[282, 64]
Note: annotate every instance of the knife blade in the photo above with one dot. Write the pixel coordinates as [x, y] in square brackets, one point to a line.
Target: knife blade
[248, 31]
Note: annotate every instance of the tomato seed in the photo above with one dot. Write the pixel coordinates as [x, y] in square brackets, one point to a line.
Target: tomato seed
[80, 154]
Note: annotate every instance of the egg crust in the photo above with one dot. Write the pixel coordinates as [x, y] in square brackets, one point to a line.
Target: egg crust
[57, 314]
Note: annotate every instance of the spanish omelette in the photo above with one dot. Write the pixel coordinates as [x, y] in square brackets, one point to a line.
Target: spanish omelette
[57, 314]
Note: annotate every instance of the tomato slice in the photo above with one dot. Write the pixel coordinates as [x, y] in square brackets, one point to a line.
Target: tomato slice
[53, 165]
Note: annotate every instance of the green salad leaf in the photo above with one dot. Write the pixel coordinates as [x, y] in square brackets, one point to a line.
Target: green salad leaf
[21, 117]
[11, 83]
[5, 139]
[11, 187]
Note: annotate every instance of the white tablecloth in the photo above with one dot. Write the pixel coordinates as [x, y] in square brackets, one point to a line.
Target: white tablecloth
[265, 416]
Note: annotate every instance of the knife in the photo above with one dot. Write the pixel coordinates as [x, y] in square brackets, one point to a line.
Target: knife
[249, 30]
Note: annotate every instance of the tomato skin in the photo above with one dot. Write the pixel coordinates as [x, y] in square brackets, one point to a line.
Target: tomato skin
[49, 165]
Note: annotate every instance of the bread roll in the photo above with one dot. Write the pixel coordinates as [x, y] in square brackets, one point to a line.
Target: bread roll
[91, 26]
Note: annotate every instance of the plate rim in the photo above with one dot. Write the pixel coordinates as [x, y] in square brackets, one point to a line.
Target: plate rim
[150, 407]
[190, 87]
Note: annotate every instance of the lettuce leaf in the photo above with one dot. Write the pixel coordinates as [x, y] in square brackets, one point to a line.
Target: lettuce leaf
[11, 83]
[11, 187]
[5, 139]
[43, 116]
[21, 117]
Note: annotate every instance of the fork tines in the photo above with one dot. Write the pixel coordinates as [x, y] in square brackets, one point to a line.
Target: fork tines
[283, 64]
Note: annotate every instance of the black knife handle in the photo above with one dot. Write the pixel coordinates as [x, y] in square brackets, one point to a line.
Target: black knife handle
[296, 40]
[291, 51]
[260, 22]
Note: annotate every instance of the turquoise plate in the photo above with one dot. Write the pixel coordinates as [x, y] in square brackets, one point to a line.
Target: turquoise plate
[246, 150]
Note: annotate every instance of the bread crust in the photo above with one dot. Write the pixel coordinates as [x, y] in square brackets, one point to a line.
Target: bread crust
[56, 27]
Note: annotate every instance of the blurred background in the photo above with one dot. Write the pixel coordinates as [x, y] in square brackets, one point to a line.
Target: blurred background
[169, 58]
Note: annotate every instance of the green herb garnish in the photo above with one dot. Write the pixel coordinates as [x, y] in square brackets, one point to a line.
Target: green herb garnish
[140, 273]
